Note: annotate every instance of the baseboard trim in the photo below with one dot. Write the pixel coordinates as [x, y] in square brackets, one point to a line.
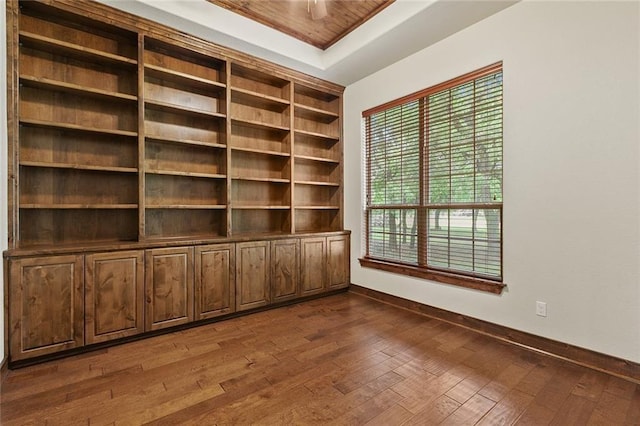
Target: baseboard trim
[618, 367]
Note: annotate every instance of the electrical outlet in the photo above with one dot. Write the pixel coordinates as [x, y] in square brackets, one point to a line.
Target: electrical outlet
[541, 309]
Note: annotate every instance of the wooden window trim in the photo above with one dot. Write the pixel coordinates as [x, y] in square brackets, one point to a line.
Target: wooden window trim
[490, 69]
[420, 270]
[475, 283]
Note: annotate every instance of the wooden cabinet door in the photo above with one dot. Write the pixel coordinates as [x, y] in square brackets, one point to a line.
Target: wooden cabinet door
[338, 262]
[169, 287]
[215, 280]
[114, 299]
[46, 305]
[252, 275]
[313, 260]
[285, 269]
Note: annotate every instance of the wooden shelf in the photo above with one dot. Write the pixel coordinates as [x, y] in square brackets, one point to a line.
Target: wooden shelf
[52, 45]
[260, 207]
[79, 167]
[188, 206]
[260, 100]
[259, 179]
[318, 114]
[79, 206]
[157, 160]
[261, 151]
[322, 136]
[181, 109]
[68, 126]
[259, 124]
[136, 132]
[184, 78]
[185, 142]
[317, 207]
[316, 183]
[61, 86]
[318, 159]
[185, 173]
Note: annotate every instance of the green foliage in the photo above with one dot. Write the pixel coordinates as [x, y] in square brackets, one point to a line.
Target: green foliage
[463, 159]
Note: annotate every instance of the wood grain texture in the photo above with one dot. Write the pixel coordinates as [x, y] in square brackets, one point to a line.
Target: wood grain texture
[337, 262]
[285, 269]
[600, 362]
[253, 284]
[214, 280]
[114, 295]
[126, 130]
[46, 310]
[348, 360]
[313, 256]
[296, 18]
[168, 287]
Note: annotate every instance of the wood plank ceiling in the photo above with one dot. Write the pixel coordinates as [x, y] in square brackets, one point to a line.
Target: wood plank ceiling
[320, 23]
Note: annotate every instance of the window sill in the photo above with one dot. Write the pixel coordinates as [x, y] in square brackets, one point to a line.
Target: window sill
[428, 274]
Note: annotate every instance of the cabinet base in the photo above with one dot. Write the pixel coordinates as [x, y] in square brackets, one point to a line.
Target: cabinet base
[104, 345]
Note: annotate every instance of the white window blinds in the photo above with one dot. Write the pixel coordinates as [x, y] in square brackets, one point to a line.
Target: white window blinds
[434, 177]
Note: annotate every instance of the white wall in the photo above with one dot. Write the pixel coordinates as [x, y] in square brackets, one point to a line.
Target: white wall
[571, 160]
[3, 156]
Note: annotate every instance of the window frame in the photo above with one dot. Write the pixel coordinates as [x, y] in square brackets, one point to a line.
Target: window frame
[421, 270]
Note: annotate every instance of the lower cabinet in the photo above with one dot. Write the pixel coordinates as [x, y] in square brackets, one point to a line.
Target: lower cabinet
[252, 275]
[338, 262]
[114, 298]
[46, 305]
[61, 302]
[285, 269]
[168, 287]
[215, 289]
[313, 258]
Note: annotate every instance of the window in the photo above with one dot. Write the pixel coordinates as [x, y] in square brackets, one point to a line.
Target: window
[434, 182]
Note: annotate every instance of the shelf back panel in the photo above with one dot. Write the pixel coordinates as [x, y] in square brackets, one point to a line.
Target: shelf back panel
[52, 226]
[178, 223]
[162, 190]
[46, 145]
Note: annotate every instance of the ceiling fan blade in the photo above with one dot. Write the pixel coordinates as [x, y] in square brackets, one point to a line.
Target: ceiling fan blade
[318, 9]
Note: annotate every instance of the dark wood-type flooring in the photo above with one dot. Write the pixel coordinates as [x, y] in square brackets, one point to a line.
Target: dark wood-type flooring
[343, 359]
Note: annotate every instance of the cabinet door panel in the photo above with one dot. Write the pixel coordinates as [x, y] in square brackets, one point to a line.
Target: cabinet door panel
[215, 280]
[313, 259]
[114, 295]
[46, 311]
[338, 262]
[252, 275]
[285, 269]
[169, 287]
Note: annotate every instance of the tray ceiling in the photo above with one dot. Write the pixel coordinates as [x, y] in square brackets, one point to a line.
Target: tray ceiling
[401, 29]
[320, 23]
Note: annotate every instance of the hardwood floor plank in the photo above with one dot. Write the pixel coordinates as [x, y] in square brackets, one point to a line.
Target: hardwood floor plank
[501, 385]
[342, 359]
[435, 412]
[370, 408]
[576, 410]
[633, 415]
[420, 394]
[470, 412]
[395, 414]
[508, 409]
[467, 388]
[535, 415]
[591, 385]
[610, 408]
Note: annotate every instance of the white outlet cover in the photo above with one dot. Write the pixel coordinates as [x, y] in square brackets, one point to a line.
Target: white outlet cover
[541, 309]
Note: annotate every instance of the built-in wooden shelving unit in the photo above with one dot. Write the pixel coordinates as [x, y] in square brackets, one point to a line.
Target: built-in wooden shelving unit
[144, 162]
[158, 136]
